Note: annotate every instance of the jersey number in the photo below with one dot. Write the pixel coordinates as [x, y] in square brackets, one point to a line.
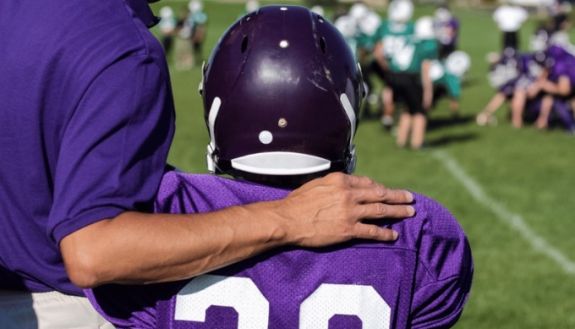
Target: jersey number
[398, 50]
[316, 310]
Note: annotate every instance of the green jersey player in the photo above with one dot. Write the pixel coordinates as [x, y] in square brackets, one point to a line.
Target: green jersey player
[390, 39]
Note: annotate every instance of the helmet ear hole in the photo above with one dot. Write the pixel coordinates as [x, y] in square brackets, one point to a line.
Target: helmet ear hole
[322, 44]
[244, 46]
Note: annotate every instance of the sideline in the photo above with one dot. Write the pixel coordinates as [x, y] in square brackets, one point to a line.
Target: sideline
[515, 221]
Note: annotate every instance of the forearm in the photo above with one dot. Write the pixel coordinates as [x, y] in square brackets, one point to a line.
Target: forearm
[561, 88]
[145, 248]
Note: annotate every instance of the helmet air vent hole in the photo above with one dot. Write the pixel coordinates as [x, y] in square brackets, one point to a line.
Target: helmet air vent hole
[322, 44]
[244, 44]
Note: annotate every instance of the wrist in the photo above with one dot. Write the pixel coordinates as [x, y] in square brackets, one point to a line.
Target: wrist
[274, 223]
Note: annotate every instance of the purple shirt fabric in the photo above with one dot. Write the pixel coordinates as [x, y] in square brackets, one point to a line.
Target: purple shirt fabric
[87, 120]
[422, 280]
[561, 64]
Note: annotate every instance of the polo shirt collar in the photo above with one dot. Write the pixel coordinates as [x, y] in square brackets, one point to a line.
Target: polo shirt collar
[143, 12]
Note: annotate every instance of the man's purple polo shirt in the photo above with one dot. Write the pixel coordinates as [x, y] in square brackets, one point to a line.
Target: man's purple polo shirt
[85, 126]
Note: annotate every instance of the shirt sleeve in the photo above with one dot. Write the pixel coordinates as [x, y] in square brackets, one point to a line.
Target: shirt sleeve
[444, 273]
[114, 145]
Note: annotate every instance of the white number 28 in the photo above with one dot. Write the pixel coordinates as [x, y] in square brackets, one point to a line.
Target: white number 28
[252, 307]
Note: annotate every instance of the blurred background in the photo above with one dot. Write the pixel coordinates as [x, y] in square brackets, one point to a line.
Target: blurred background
[510, 185]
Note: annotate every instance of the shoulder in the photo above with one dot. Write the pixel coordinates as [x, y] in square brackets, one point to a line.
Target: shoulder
[442, 245]
[182, 192]
[445, 267]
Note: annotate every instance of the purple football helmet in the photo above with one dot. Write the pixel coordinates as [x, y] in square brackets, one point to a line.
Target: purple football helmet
[281, 94]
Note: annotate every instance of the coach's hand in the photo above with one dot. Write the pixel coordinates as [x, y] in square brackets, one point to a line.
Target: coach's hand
[331, 209]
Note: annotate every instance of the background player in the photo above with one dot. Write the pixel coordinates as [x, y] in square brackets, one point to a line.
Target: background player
[391, 38]
[256, 123]
[447, 30]
[410, 81]
[447, 76]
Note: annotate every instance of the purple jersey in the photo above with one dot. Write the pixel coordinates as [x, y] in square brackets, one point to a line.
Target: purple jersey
[561, 63]
[514, 71]
[420, 281]
[529, 68]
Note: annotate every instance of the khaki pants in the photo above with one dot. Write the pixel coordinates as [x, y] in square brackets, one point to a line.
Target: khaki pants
[48, 310]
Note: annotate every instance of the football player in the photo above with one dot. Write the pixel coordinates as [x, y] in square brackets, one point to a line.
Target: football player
[367, 27]
[526, 101]
[284, 116]
[198, 20]
[393, 35]
[509, 18]
[167, 27]
[410, 80]
[557, 87]
[447, 76]
[503, 76]
[447, 30]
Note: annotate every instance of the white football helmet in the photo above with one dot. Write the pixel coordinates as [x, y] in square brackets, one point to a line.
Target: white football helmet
[370, 23]
[424, 28]
[358, 11]
[195, 6]
[166, 12]
[346, 26]
[458, 63]
[442, 14]
[400, 11]
[252, 5]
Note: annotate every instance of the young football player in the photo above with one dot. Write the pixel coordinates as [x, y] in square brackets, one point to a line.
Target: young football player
[503, 73]
[557, 88]
[410, 80]
[447, 76]
[285, 115]
[447, 30]
[392, 37]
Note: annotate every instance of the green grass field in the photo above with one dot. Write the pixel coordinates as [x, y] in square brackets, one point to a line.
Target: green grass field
[486, 176]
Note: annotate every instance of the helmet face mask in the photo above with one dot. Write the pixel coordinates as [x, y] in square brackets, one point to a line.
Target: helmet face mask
[281, 94]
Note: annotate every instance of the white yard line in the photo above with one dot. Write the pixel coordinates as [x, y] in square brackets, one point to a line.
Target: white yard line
[515, 221]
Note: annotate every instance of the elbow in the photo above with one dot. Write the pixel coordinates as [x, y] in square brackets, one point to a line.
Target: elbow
[83, 255]
[82, 273]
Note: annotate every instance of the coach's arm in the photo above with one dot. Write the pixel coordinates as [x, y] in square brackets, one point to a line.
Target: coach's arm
[146, 248]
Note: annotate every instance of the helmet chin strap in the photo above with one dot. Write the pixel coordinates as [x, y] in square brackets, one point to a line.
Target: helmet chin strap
[351, 161]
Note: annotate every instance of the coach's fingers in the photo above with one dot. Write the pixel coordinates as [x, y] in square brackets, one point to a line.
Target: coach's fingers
[373, 232]
[381, 210]
[361, 181]
[382, 194]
